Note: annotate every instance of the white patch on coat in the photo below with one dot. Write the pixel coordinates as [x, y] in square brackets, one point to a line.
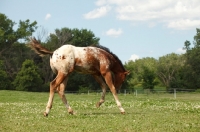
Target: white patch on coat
[63, 59]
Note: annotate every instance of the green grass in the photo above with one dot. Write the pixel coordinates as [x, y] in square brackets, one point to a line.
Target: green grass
[23, 111]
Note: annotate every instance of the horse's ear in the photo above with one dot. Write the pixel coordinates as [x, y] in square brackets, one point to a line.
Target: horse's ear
[127, 72]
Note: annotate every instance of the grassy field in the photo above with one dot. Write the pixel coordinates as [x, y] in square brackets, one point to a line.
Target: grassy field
[23, 111]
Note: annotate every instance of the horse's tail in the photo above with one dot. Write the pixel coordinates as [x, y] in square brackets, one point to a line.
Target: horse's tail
[38, 48]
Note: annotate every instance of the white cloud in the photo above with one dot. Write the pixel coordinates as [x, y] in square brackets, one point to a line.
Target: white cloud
[134, 57]
[113, 32]
[184, 24]
[116, 2]
[180, 51]
[97, 13]
[47, 16]
[175, 14]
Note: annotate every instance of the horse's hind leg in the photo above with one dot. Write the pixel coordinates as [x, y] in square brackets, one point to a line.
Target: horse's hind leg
[61, 92]
[109, 81]
[100, 80]
[55, 83]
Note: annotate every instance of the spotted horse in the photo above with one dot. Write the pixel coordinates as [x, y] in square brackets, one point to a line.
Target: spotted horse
[97, 61]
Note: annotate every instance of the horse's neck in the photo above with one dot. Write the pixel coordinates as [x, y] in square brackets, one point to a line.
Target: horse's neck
[118, 69]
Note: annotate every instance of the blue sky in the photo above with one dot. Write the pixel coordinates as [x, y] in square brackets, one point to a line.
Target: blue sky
[129, 28]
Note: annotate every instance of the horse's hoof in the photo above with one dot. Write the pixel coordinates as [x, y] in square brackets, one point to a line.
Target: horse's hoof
[98, 104]
[45, 114]
[123, 112]
[70, 112]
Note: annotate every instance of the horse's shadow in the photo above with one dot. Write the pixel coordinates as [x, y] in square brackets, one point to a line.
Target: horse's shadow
[104, 113]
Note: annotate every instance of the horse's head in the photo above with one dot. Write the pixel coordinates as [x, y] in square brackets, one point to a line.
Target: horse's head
[119, 79]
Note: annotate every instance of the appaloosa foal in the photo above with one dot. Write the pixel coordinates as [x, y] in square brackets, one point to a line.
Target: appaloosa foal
[102, 64]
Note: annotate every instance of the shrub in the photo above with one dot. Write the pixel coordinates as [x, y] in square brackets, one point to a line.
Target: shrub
[28, 78]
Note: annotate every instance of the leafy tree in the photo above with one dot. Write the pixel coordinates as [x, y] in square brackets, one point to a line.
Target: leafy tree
[131, 79]
[75, 37]
[59, 37]
[192, 67]
[11, 51]
[168, 67]
[83, 38]
[9, 36]
[4, 79]
[28, 78]
[149, 78]
[137, 69]
[16, 55]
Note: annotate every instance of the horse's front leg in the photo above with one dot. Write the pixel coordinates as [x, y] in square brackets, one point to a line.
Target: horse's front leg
[61, 92]
[109, 81]
[102, 99]
[100, 80]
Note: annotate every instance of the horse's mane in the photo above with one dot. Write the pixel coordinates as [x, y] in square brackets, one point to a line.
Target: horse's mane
[108, 50]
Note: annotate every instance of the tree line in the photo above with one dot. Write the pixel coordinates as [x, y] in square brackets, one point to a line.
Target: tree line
[22, 69]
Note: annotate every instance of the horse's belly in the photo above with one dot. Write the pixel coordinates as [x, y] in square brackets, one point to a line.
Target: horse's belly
[84, 70]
